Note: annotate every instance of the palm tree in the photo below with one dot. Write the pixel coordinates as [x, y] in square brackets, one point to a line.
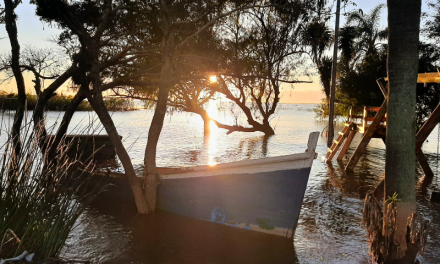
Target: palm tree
[403, 60]
[362, 33]
[393, 226]
[318, 36]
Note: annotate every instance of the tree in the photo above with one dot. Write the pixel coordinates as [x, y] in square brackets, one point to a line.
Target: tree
[178, 33]
[265, 48]
[432, 26]
[100, 31]
[396, 240]
[400, 159]
[359, 83]
[44, 64]
[367, 32]
[11, 27]
[111, 36]
[318, 36]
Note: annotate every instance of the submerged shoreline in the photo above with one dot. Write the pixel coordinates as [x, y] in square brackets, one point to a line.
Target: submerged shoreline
[329, 229]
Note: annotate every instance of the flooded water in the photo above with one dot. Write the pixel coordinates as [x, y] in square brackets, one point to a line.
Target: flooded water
[329, 228]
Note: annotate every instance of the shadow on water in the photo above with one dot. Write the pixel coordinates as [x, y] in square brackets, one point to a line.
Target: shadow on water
[366, 177]
[329, 229]
[169, 238]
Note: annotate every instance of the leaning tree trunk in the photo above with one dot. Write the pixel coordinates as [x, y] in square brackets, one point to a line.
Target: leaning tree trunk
[403, 40]
[43, 98]
[64, 125]
[151, 178]
[11, 28]
[97, 103]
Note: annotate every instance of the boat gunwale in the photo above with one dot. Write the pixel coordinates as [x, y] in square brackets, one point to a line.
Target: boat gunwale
[309, 154]
[165, 172]
[238, 164]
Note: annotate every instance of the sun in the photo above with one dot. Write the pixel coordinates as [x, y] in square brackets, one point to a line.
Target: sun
[213, 79]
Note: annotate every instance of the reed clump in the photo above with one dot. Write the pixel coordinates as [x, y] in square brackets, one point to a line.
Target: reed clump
[40, 201]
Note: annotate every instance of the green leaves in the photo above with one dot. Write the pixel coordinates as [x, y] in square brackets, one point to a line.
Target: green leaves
[392, 199]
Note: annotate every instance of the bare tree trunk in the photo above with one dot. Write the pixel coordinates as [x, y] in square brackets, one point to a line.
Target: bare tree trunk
[11, 28]
[62, 130]
[151, 178]
[403, 41]
[97, 102]
[206, 124]
[43, 98]
[204, 115]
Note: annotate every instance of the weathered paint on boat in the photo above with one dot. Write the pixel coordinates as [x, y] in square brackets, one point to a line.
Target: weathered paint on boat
[264, 195]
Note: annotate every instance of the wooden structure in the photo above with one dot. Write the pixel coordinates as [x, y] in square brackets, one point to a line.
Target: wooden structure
[346, 135]
[372, 124]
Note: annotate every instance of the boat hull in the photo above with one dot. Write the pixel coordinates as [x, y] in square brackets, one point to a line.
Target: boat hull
[264, 195]
[268, 202]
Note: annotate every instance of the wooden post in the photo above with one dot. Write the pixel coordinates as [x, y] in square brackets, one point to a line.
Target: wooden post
[383, 87]
[366, 138]
[347, 144]
[427, 128]
[350, 116]
[424, 163]
[364, 119]
[331, 130]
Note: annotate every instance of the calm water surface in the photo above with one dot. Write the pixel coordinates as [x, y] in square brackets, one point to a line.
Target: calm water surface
[329, 228]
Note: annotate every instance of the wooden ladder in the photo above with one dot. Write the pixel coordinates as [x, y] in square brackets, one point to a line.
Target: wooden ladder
[348, 132]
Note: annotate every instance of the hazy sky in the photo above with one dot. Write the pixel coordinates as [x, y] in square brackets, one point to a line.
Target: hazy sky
[32, 32]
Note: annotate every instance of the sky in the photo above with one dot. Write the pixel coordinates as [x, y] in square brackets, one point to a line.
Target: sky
[32, 32]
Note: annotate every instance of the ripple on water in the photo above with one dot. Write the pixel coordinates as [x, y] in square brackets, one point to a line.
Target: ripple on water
[329, 228]
[96, 238]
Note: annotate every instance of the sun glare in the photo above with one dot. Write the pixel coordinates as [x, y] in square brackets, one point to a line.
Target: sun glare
[212, 110]
[213, 79]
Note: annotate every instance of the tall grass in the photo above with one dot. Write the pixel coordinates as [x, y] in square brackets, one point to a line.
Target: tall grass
[39, 201]
[60, 102]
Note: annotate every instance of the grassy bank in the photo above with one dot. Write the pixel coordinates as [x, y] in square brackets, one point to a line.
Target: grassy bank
[60, 102]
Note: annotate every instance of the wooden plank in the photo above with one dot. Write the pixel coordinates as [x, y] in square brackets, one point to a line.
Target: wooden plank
[338, 143]
[313, 141]
[379, 191]
[357, 109]
[366, 138]
[350, 115]
[372, 108]
[364, 115]
[427, 128]
[371, 118]
[346, 145]
[429, 77]
[383, 87]
[424, 164]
